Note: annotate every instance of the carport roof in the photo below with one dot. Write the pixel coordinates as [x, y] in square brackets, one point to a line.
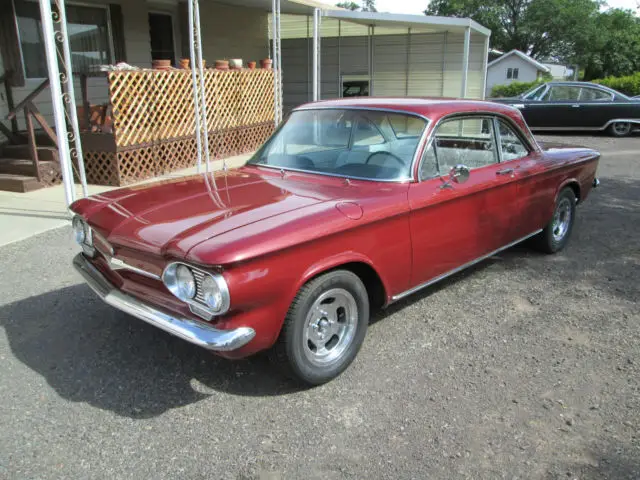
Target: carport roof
[380, 19]
[377, 19]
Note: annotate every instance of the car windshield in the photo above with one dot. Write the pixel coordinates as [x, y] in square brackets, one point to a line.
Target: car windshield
[365, 144]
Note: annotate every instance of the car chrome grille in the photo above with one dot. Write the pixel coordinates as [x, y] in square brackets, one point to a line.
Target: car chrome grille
[199, 276]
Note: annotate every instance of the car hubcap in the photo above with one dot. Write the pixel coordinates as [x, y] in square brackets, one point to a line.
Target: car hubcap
[621, 128]
[561, 219]
[330, 326]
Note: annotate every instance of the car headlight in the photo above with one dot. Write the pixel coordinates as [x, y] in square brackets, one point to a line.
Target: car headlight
[207, 294]
[185, 282]
[79, 231]
[82, 234]
[212, 293]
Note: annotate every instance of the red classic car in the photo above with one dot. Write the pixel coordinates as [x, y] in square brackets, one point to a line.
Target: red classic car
[351, 205]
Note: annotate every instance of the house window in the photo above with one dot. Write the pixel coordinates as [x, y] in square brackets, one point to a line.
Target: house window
[88, 31]
[512, 73]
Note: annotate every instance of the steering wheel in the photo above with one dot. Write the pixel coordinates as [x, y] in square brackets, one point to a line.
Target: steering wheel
[382, 152]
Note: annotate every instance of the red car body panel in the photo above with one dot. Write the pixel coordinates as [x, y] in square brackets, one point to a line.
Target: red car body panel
[269, 232]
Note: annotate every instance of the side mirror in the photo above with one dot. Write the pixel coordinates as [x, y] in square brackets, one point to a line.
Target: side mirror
[459, 174]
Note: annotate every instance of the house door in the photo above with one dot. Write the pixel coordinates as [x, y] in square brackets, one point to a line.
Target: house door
[162, 39]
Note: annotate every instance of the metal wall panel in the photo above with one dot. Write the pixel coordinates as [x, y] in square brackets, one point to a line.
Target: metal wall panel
[390, 65]
[426, 59]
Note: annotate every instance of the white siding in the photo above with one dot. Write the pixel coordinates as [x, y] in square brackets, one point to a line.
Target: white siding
[427, 57]
[390, 65]
[497, 74]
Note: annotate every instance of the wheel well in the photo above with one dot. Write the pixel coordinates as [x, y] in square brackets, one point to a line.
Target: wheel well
[576, 190]
[370, 278]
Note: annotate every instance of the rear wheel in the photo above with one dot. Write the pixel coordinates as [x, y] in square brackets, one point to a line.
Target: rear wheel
[324, 328]
[556, 234]
[620, 129]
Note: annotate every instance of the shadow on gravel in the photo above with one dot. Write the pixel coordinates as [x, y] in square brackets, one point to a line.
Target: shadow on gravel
[613, 463]
[90, 352]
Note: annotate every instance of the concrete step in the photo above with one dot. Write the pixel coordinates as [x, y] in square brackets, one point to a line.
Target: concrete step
[18, 166]
[23, 151]
[18, 183]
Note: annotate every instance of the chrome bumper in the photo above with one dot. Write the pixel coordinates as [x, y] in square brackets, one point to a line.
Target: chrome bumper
[194, 332]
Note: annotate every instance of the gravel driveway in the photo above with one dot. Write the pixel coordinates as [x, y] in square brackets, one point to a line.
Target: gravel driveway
[527, 366]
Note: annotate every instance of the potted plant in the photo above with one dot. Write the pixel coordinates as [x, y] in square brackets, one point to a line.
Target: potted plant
[161, 64]
[184, 63]
[266, 63]
[251, 65]
[235, 63]
[222, 65]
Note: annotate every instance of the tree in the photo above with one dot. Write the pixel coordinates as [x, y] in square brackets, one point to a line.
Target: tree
[367, 6]
[610, 46]
[540, 28]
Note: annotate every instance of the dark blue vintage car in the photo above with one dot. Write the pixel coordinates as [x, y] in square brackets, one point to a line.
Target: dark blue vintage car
[572, 106]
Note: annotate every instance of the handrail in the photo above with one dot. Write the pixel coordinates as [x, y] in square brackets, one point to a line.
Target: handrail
[28, 99]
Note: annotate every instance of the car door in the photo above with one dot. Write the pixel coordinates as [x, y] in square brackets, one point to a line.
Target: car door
[454, 222]
[597, 107]
[560, 108]
[534, 184]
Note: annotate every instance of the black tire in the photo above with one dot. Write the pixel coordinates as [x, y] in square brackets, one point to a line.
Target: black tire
[620, 129]
[555, 235]
[293, 351]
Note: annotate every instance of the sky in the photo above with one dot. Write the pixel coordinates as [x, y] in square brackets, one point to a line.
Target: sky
[418, 6]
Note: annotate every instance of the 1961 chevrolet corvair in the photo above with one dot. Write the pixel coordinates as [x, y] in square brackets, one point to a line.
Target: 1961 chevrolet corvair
[351, 205]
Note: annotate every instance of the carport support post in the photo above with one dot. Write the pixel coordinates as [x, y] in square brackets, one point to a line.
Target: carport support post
[485, 63]
[465, 62]
[316, 55]
[57, 99]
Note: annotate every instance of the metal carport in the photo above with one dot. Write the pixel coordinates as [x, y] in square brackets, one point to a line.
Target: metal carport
[400, 55]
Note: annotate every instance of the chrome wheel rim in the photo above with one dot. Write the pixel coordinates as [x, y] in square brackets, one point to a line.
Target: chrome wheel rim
[621, 128]
[330, 326]
[561, 219]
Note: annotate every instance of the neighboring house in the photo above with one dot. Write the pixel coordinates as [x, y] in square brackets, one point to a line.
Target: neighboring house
[513, 66]
[559, 71]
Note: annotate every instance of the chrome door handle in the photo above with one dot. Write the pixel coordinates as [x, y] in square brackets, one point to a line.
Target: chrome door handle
[506, 171]
[575, 105]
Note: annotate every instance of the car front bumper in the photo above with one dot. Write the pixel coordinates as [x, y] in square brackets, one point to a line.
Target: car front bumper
[192, 331]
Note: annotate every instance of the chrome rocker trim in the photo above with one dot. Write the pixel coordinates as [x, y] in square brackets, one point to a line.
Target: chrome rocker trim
[406, 293]
[192, 331]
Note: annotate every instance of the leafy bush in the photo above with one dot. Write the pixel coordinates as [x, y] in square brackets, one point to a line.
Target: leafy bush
[513, 89]
[629, 85]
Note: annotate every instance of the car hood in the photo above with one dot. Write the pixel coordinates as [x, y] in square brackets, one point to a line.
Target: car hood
[169, 218]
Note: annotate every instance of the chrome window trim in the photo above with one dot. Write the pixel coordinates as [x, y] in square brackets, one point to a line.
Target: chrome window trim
[517, 132]
[416, 154]
[480, 113]
[434, 280]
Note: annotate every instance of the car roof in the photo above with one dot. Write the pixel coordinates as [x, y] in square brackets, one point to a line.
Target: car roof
[431, 108]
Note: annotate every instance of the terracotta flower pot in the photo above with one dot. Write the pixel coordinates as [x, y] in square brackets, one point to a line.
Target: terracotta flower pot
[222, 65]
[266, 63]
[161, 64]
[251, 65]
[184, 63]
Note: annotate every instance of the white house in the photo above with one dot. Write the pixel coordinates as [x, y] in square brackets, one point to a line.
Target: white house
[513, 66]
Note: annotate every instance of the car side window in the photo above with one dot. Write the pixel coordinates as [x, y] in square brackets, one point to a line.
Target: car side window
[511, 146]
[559, 93]
[588, 94]
[467, 141]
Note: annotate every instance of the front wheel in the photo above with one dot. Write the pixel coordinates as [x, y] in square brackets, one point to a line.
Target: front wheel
[556, 234]
[324, 328]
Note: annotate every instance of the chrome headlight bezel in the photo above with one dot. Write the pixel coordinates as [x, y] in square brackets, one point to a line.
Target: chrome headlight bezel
[198, 302]
[83, 234]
